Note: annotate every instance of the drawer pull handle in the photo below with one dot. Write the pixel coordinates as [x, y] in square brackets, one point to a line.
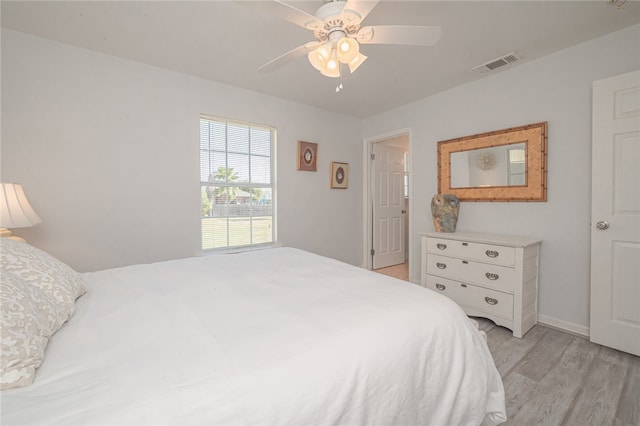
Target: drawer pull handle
[491, 300]
[463, 285]
[465, 262]
[441, 265]
[441, 287]
[441, 246]
[491, 276]
[492, 253]
[465, 244]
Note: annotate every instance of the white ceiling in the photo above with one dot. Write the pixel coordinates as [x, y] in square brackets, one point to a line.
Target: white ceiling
[227, 41]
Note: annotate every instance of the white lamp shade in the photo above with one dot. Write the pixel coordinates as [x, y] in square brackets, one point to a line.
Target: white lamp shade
[332, 67]
[316, 59]
[319, 57]
[347, 49]
[356, 62]
[15, 210]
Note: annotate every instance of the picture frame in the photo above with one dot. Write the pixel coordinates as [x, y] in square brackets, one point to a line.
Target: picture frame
[307, 156]
[531, 187]
[339, 175]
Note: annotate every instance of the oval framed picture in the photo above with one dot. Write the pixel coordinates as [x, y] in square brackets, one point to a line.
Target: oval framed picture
[339, 175]
[307, 156]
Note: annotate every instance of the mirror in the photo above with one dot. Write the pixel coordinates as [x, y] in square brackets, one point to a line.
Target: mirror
[496, 166]
[505, 165]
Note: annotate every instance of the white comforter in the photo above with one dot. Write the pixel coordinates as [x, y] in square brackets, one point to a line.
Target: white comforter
[270, 337]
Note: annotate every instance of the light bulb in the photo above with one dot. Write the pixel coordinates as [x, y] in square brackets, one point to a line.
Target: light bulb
[347, 49]
[331, 73]
[331, 68]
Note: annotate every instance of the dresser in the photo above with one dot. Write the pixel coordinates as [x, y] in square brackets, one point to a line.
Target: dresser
[491, 276]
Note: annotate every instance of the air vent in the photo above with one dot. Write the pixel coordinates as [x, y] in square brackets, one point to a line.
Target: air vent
[494, 64]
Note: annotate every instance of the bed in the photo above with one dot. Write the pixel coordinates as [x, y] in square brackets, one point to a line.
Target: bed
[277, 336]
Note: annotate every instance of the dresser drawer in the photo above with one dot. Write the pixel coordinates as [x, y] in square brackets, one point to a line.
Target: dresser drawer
[450, 288]
[496, 254]
[493, 276]
[479, 298]
[486, 300]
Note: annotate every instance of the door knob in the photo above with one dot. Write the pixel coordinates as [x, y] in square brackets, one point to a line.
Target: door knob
[404, 211]
[602, 225]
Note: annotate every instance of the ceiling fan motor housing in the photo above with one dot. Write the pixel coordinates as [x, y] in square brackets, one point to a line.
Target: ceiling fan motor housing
[337, 24]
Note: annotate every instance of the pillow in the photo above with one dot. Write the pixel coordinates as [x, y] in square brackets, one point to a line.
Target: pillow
[28, 318]
[42, 270]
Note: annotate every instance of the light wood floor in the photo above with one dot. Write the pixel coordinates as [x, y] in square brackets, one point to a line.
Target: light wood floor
[556, 378]
[399, 271]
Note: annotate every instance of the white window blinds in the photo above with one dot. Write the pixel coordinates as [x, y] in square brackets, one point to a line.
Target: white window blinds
[236, 181]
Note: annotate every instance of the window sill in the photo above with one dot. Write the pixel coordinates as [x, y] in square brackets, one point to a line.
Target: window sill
[241, 249]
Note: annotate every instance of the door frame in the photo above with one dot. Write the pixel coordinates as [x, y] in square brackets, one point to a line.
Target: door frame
[367, 195]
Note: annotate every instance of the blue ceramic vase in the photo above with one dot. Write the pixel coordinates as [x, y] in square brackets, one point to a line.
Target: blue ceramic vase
[445, 209]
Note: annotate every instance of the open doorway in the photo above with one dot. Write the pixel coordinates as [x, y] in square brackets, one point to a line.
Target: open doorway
[388, 205]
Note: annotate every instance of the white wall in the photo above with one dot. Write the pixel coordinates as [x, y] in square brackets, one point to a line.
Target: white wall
[107, 151]
[557, 89]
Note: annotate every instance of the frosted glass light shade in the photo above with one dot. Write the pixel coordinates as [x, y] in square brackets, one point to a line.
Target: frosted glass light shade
[319, 57]
[331, 67]
[334, 73]
[356, 62]
[15, 210]
[347, 49]
[316, 59]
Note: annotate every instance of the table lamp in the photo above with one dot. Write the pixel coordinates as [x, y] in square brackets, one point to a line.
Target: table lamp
[15, 210]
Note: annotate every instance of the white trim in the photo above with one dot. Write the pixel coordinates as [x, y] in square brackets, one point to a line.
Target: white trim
[366, 193]
[569, 327]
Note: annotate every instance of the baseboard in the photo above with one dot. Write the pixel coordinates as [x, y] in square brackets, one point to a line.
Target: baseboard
[569, 327]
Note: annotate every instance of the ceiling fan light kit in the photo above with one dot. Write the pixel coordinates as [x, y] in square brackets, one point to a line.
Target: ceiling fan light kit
[336, 27]
[327, 58]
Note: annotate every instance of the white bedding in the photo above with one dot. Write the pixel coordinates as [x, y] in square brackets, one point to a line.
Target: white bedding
[270, 337]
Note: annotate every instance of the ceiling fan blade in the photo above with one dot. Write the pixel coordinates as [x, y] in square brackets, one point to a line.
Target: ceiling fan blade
[287, 12]
[361, 9]
[399, 34]
[288, 57]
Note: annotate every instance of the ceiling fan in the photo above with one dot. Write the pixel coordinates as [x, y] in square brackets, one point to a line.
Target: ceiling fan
[338, 34]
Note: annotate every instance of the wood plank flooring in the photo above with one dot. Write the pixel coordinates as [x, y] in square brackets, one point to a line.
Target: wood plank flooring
[555, 378]
[559, 379]
[400, 271]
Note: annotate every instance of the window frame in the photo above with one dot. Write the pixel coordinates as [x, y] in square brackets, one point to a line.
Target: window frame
[240, 185]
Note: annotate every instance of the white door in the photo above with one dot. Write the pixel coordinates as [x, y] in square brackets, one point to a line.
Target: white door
[615, 213]
[388, 206]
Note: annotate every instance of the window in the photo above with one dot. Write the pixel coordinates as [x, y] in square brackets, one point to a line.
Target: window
[517, 167]
[236, 182]
[406, 174]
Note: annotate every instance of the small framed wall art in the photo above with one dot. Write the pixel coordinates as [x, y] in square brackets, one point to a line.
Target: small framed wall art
[307, 156]
[339, 175]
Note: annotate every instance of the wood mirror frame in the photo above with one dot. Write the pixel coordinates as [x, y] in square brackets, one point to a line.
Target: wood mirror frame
[535, 189]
